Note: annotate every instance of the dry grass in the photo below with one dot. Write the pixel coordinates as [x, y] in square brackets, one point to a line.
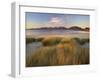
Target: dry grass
[59, 51]
[50, 41]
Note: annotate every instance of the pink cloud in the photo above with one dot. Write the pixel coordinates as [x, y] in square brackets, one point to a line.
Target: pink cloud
[55, 22]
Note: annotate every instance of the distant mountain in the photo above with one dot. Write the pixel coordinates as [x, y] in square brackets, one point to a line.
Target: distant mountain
[79, 28]
[87, 29]
[60, 27]
[76, 28]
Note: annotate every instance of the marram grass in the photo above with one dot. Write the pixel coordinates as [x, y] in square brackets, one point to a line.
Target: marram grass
[59, 51]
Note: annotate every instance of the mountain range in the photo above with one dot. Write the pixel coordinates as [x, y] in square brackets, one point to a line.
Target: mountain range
[76, 28]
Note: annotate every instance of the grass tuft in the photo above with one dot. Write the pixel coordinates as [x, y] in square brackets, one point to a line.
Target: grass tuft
[59, 51]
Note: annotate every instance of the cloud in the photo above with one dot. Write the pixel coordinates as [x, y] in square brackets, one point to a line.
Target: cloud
[55, 22]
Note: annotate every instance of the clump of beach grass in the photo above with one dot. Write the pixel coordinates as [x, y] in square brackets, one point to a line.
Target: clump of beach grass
[39, 39]
[50, 41]
[59, 51]
[81, 41]
[30, 40]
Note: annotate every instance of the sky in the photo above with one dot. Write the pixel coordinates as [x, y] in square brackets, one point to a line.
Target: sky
[38, 20]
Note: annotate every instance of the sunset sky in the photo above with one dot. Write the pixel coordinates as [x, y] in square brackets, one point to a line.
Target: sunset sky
[37, 20]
